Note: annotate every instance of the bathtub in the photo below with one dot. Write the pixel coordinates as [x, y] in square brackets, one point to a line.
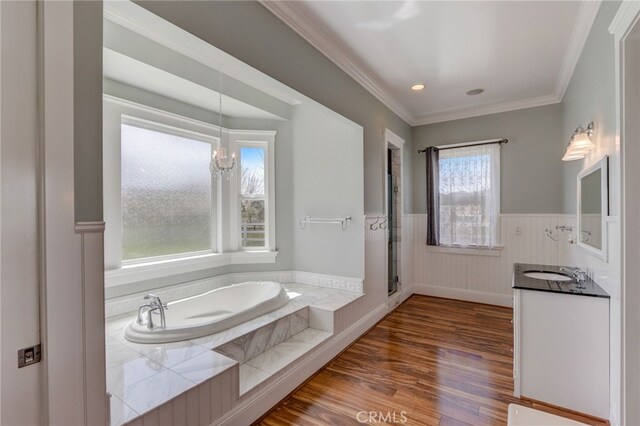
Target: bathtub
[211, 312]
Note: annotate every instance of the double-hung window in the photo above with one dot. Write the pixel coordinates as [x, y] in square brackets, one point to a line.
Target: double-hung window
[469, 196]
[253, 192]
[253, 200]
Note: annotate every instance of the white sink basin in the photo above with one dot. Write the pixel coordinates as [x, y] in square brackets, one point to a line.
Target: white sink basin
[550, 276]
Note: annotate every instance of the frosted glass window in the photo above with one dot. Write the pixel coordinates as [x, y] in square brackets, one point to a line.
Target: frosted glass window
[252, 197]
[166, 194]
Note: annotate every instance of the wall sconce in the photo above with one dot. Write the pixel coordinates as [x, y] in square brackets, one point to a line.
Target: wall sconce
[579, 143]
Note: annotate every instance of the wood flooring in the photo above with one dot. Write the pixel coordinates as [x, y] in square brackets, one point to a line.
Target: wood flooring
[430, 362]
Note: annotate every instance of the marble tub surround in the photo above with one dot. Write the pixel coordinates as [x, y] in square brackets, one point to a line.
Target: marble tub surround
[219, 394]
[302, 296]
[204, 366]
[265, 345]
[258, 370]
[115, 306]
[252, 344]
[330, 281]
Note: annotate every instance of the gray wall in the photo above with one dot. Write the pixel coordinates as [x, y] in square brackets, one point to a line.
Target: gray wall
[264, 42]
[327, 182]
[530, 165]
[87, 98]
[590, 96]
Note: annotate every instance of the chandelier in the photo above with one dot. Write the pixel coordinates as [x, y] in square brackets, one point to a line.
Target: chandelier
[221, 164]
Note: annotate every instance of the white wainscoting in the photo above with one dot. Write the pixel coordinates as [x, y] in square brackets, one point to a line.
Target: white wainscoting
[487, 278]
[93, 338]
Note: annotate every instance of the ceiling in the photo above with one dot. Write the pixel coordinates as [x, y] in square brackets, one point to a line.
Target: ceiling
[522, 53]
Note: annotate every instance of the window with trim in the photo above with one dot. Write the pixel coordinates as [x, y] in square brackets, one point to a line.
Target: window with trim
[253, 197]
[165, 213]
[469, 196]
[253, 191]
[166, 192]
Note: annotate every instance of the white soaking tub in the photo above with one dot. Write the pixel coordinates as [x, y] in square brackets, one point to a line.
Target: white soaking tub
[211, 312]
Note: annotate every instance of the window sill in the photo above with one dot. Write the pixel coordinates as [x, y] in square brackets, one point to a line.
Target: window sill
[474, 251]
[153, 270]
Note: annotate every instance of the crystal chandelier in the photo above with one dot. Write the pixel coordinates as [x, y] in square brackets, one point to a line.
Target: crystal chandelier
[221, 164]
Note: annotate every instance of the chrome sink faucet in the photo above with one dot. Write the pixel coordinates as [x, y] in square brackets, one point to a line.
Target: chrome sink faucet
[155, 306]
[577, 274]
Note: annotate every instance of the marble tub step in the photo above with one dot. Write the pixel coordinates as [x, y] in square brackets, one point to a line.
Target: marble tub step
[262, 367]
[259, 340]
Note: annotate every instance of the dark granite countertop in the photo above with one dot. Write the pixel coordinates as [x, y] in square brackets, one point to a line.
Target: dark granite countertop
[521, 281]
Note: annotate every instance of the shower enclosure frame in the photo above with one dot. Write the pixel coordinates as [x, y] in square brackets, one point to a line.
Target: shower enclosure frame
[393, 142]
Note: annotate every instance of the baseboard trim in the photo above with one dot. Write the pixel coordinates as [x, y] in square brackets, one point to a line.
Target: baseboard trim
[252, 409]
[463, 294]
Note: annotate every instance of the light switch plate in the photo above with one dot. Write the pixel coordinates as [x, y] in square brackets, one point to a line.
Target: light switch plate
[28, 356]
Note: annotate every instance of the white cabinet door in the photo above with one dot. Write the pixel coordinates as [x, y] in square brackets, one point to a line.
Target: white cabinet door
[562, 352]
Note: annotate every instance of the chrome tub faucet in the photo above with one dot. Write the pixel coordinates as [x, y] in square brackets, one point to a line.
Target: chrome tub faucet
[155, 306]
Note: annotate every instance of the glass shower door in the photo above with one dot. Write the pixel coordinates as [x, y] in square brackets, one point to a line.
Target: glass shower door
[392, 241]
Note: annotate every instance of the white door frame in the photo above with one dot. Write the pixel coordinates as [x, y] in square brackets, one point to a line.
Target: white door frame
[394, 142]
[626, 29]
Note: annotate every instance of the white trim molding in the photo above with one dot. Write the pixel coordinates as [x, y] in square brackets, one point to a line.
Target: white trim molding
[586, 17]
[394, 139]
[474, 251]
[92, 280]
[463, 294]
[84, 227]
[625, 27]
[141, 21]
[73, 372]
[624, 19]
[338, 53]
[476, 111]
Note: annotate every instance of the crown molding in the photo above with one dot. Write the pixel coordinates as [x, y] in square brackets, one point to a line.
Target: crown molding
[586, 17]
[287, 12]
[476, 111]
[626, 15]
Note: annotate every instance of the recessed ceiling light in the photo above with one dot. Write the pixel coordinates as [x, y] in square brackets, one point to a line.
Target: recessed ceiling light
[417, 87]
[475, 92]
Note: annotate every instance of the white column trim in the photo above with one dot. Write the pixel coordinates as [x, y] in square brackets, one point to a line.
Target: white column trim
[621, 26]
[73, 281]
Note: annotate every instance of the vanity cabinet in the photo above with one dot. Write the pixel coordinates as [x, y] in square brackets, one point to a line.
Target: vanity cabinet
[561, 349]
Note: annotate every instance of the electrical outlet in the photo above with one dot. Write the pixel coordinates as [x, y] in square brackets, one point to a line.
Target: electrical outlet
[28, 356]
[518, 231]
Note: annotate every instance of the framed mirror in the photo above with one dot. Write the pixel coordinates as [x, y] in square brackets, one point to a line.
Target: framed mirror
[593, 208]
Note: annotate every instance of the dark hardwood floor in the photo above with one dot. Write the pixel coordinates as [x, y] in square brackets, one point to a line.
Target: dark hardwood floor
[431, 362]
